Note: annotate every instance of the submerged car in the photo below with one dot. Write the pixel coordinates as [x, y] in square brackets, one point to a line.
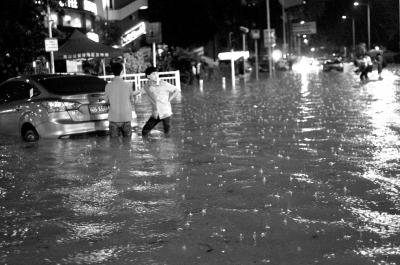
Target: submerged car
[53, 106]
[332, 64]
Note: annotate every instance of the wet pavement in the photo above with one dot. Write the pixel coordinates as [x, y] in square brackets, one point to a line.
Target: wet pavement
[301, 169]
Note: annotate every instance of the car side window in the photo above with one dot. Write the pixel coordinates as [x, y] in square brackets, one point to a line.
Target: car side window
[16, 90]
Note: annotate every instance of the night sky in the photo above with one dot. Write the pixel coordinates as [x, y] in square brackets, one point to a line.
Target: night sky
[194, 22]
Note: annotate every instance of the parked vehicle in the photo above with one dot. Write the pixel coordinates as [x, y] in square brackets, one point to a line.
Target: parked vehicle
[332, 64]
[53, 106]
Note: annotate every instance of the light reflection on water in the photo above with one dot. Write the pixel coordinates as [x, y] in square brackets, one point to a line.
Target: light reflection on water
[297, 170]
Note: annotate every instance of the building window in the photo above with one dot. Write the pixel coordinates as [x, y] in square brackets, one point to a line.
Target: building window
[89, 25]
[71, 19]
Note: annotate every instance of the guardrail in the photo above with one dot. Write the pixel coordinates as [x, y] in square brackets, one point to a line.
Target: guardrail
[172, 77]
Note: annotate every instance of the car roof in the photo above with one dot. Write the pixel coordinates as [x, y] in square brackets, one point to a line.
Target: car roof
[41, 77]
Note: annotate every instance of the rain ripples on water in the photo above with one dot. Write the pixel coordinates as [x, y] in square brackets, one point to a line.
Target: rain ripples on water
[301, 169]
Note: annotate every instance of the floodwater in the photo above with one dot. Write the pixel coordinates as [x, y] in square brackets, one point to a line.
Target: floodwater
[298, 170]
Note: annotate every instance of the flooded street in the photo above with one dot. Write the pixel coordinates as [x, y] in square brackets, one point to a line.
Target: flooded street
[302, 169]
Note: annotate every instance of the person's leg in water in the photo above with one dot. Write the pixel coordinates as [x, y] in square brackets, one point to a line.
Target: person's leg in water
[166, 124]
[380, 71]
[126, 129]
[150, 124]
[114, 129]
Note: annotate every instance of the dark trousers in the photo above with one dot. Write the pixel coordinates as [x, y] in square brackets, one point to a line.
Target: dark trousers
[365, 71]
[152, 122]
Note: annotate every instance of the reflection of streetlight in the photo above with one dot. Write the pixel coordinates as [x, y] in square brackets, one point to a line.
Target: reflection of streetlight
[353, 30]
[368, 20]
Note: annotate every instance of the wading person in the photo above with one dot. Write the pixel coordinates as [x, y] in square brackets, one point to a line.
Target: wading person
[379, 62]
[160, 94]
[366, 68]
[120, 95]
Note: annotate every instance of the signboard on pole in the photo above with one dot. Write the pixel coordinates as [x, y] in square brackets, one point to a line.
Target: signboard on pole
[153, 33]
[234, 55]
[255, 34]
[269, 38]
[304, 28]
[51, 44]
[290, 3]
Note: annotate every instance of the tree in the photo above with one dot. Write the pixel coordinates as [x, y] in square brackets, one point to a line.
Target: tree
[22, 31]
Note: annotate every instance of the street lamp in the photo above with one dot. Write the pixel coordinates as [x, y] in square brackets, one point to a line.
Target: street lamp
[353, 30]
[368, 20]
[244, 31]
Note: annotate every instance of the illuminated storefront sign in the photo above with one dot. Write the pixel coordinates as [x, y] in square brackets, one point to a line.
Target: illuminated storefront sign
[93, 36]
[90, 6]
[70, 4]
[133, 33]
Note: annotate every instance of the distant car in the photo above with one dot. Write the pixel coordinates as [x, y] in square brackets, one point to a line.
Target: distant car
[53, 106]
[332, 64]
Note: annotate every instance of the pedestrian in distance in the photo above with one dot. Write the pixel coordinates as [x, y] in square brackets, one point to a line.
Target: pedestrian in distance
[160, 94]
[121, 97]
[379, 63]
[365, 67]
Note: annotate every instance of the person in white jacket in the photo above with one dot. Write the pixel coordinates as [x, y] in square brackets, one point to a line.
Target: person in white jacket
[367, 67]
[160, 94]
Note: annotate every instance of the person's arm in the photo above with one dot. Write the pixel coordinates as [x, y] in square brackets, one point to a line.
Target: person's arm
[149, 95]
[106, 96]
[174, 91]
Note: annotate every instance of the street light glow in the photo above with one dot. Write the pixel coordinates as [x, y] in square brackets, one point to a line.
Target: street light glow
[344, 17]
[356, 4]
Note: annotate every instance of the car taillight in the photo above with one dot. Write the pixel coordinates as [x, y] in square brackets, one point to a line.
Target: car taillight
[57, 106]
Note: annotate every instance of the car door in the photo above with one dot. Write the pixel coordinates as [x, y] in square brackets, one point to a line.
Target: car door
[14, 97]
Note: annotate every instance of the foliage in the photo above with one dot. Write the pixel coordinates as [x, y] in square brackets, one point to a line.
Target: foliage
[108, 31]
[138, 61]
[22, 33]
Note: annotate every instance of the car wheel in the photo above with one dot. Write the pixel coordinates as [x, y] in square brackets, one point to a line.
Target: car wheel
[30, 134]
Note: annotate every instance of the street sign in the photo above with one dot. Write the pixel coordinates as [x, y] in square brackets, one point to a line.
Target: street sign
[51, 44]
[233, 55]
[290, 3]
[255, 34]
[269, 38]
[304, 28]
[154, 32]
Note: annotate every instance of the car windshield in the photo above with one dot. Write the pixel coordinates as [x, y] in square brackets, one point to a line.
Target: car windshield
[71, 85]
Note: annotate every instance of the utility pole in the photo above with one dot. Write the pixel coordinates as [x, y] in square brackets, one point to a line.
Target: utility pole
[49, 25]
[269, 38]
[284, 27]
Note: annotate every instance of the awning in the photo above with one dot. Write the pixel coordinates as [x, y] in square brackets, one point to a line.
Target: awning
[78, 46]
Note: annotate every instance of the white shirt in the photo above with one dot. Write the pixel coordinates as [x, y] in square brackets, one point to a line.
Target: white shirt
[120, 95]
[367, 60]
[160, 97]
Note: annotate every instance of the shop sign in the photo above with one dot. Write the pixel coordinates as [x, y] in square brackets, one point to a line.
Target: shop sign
[90, 6]
[70, 4]
[133, 33]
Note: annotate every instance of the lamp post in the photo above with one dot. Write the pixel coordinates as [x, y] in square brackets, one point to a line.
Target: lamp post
[49, 24]
[244, 31]
[269, 46]
[353, 27]
[368, 20]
